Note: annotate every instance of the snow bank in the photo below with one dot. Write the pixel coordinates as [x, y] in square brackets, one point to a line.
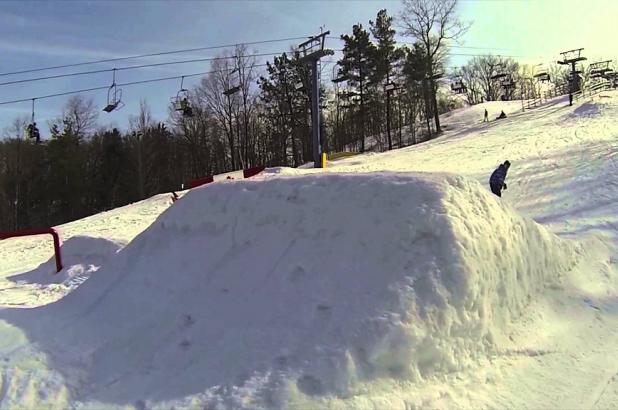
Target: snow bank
[81, 256]
[252, 293]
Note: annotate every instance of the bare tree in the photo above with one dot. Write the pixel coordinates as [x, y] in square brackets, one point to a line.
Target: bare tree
[528, 85]
[17, 127]
[477, 77]
[139, 125]
[472, 83]
[231, 74]
[197, 134]
[81, 113]
[246, 69]
[140, 122]
[558, 74]
[210, 94]
[433, 23]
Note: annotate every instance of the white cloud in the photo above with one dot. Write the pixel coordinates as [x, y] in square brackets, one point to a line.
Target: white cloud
[40, 48]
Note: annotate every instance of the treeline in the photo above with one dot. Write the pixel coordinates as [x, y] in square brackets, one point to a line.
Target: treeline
[77, 173]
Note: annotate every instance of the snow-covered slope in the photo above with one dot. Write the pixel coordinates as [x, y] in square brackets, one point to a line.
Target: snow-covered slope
[365, 285]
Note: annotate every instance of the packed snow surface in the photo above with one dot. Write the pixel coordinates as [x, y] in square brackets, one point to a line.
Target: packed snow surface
[391, 280]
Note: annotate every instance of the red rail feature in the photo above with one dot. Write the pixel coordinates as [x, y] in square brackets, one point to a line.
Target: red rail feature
[246, 173]
[249, 172]
[44, 231]
[201, 181]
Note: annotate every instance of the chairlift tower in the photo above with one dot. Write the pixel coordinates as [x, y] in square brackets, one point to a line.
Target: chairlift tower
[310, 52]
[572, 57]
[336, 79]
[390, 87]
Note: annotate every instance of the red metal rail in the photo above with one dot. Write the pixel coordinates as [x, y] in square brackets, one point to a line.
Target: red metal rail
[248, 173]
[30, 232]
[201, 181]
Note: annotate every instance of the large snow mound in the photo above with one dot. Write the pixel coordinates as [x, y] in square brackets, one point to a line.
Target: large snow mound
[251, 293]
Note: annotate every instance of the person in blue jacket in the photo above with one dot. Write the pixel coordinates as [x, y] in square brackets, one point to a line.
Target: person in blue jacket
[496, 181]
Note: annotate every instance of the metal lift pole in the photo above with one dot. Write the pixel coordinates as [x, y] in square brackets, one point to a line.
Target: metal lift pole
[574, 83]
[315, 114]
[310, 53]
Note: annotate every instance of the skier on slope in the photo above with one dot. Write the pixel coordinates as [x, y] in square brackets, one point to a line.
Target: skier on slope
[496, 181]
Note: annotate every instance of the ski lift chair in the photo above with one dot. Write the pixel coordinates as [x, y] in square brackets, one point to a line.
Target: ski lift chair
[543, 76]
[181, 101]
[458, 87]
[114, 96]
[231, 91]
[31, 130]
[187, 110]
[114, 99]
[507, 81]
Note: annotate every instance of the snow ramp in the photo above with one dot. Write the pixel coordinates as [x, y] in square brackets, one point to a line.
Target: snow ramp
[254, 293]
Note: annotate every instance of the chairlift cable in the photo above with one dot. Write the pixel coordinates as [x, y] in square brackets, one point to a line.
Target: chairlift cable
[132, 68]
[124, 84]
[449, 46]
[118, 85]
[108, 60]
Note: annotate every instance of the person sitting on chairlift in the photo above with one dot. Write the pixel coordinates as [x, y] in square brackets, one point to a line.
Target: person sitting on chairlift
[502, 115]
[186, 108]
[33, 132]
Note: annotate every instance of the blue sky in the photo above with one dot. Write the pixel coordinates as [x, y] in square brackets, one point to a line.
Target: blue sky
[38, 34]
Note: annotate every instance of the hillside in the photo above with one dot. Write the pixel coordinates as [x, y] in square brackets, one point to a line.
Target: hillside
[386, 280]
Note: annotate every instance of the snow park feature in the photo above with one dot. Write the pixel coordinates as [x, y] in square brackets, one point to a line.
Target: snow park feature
[406, 285]
[296, 315]
[245, 173]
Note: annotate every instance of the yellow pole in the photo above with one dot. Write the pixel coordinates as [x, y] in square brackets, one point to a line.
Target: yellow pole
[324, 160]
